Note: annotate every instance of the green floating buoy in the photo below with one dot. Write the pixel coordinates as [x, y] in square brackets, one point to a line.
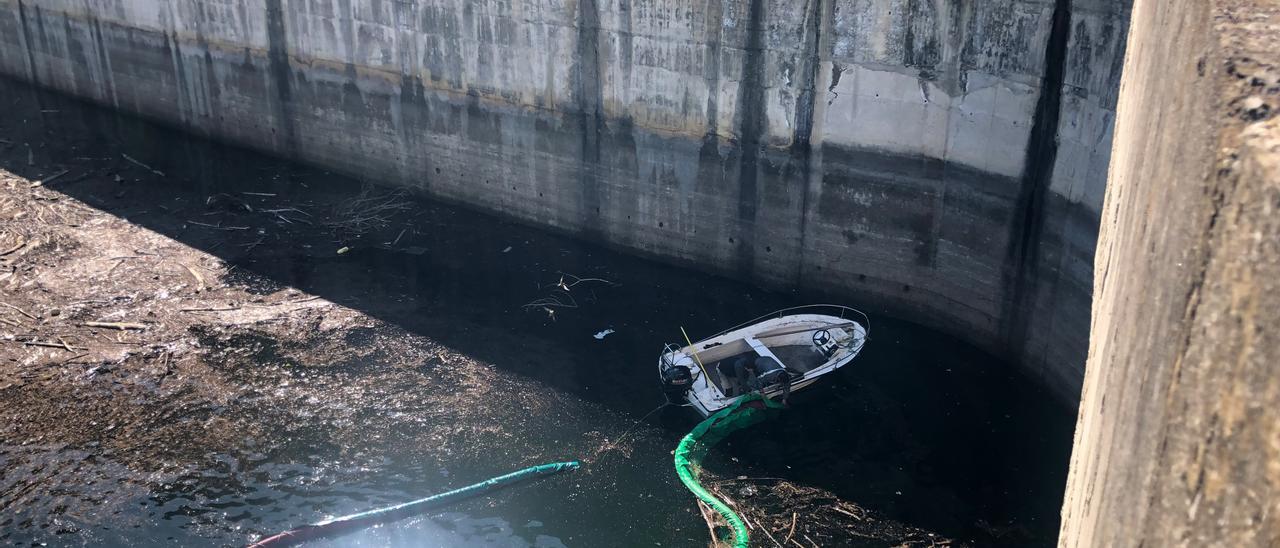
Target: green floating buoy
[745, 412]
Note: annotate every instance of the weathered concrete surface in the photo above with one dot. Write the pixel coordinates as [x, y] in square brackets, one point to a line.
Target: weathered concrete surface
[1178, 440]
[940, 159]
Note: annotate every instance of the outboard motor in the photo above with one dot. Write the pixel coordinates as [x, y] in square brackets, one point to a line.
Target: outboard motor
[676, 381]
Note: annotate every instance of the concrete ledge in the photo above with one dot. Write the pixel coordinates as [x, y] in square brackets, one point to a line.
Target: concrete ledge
[1178, 441]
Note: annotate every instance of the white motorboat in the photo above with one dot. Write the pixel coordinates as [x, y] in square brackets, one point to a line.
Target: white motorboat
[809, 341]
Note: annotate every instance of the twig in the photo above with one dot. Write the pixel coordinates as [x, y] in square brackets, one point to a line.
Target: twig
[75, 357]
[78, 177]
[198, 277]
[11, 322]
[65, 345]
[62, 346]
[708, 516]
[116, 325]
[577, 280]
[558, 299]
[792, 532]
[846, 512]
[209, 309]
[268, 194]
[217, 227]
[367, 212]
[560, 296]
[624, 435]
[806, 537]
[55, 176]
[766, 532]
[143, 166]
[286, 209]
[250, 246]
[23, 312]
[14, 248]
[295, 301]
[397, 240]
[115, 266]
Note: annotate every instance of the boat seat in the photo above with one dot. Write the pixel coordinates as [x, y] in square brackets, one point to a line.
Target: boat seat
[763, 350]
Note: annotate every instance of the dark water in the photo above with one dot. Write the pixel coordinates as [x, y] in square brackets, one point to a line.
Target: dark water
[921, 427]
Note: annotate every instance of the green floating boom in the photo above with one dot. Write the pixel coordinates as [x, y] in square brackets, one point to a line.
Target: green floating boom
[355, 522]
[745, 412]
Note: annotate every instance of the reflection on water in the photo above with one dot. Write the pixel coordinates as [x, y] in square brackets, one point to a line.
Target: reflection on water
[71, 496]
[445, 379]
[451, 529]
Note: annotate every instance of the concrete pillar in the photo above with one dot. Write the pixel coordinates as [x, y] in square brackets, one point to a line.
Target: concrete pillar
[1178, 440]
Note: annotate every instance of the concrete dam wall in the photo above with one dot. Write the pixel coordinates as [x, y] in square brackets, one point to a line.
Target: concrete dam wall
[942, 160]
[1178, 439]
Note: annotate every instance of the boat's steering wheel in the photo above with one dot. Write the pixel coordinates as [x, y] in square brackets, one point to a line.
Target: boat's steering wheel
[822, 337]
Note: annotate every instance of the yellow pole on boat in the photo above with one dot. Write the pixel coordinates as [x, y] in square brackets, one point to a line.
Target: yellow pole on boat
[695, 353]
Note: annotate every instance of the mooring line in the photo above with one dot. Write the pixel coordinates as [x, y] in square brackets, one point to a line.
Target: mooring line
[610, 445]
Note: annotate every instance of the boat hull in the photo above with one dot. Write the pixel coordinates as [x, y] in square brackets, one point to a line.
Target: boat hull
[784, 337]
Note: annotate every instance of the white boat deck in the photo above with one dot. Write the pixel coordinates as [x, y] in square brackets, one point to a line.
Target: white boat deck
[761, 349]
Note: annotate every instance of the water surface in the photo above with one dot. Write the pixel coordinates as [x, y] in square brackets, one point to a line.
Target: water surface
[461, 381]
